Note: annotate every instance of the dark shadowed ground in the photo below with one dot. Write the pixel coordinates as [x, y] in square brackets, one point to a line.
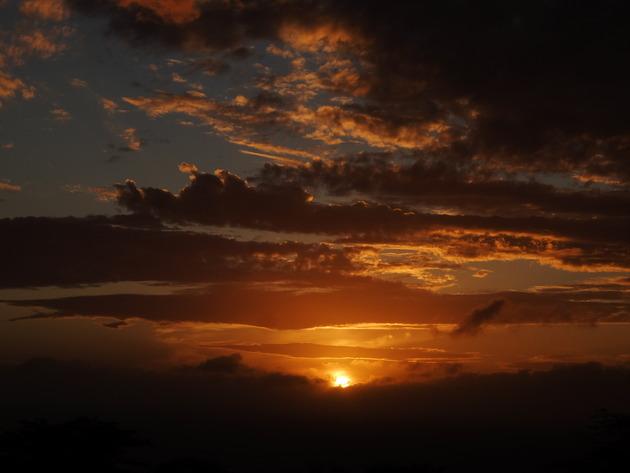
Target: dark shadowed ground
[224, 416]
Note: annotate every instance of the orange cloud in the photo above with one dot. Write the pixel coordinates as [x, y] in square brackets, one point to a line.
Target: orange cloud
[109, 105]
[188, 168]
[41, 43]
[10, 86]
[274, 148]
[279, 159]
[102, 194]
[7, 186]
[46, 9]
[169, 11]
[320, 36]
[133, 143]
[61, 115]
[334, 125]
[78, 83]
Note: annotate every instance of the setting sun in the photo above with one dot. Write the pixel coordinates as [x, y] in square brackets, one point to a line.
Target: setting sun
[342, 382]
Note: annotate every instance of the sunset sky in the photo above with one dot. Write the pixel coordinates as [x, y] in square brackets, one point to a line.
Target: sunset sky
[401, 193]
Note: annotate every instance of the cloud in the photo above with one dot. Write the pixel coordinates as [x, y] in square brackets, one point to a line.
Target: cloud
[26, 39]
[133, 143]
[39, 43]
[115, 325]
[102, 194]
[266, 147]
[6, 185]
[78, 83]
[169, 11]
[223, 364]
[61, 115]
[329, 352]
[46, 9]
[188, 168]
[440, 183]
[328, 124]
[127, 248]
[293, 303]
[279, 159]
[109, 105]
[473, 324]
[467, 92]
[11, 86]
[223, 199]
[249, 122]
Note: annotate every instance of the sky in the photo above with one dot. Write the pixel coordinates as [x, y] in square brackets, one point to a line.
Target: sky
[429, 199]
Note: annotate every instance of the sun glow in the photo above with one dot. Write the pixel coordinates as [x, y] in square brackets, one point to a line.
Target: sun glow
[342, 382]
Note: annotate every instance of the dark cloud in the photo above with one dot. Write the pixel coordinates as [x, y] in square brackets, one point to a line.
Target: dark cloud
[222, 364]
[613, 288]
[474, 323]
[353, 301]
[48, 251]
[440, 183]
[539, 84]
[226, 199]
[118, 323]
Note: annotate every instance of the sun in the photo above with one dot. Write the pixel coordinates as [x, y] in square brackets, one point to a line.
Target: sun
[342, 382]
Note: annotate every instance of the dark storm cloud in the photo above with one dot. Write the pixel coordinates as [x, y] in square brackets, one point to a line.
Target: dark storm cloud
[226, 199]
[222, 364]
[474, 323]
[443, 183]
[540, 84]
[48, 251]
[468, 422]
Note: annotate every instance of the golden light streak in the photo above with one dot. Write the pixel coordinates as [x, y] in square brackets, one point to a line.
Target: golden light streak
[290, 161]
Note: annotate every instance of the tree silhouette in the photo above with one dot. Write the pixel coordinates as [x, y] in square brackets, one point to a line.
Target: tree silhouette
[80, 445]
[605, 447]
[189, 465]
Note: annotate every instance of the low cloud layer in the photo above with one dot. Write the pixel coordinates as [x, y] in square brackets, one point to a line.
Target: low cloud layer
[55, 252]
[223, 198]
[351, 302]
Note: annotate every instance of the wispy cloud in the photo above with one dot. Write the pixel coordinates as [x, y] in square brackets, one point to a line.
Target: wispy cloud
[61, 115]
[46, 9]
[102, 194]
[133, 143]
[6, 185]
[474, 323]
[280, 159]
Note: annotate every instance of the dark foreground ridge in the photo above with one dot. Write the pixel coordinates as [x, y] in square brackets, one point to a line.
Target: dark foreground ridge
[227, 417]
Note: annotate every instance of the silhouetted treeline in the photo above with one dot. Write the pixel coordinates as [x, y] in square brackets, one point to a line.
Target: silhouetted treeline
[80, 445]
[91, 445]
